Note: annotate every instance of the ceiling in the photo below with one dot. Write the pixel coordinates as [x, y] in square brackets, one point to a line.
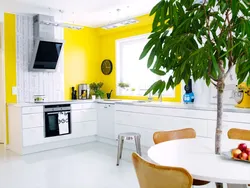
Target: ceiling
[92, 13]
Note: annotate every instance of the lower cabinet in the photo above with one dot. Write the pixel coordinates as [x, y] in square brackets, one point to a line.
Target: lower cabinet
[106, 121]
[84, 129]
[33, 136]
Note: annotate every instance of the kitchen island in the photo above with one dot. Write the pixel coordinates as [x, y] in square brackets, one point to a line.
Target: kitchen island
[103, 120]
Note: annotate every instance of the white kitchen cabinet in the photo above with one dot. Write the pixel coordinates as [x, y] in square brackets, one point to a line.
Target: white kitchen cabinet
[84, 129]
[32, 120]
[33, 136]
[83, 115]
[106, 121]
[27, 129]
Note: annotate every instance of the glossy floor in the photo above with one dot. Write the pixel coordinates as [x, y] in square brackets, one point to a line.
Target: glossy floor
[84, 166]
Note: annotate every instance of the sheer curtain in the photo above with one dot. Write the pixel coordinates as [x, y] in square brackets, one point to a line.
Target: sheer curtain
[131, 70]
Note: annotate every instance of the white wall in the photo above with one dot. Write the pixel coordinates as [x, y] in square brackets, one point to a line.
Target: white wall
[50, 84]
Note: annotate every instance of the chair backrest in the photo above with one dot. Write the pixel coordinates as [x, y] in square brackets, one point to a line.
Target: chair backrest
[156, 176]
[239, 134]
[163, 136]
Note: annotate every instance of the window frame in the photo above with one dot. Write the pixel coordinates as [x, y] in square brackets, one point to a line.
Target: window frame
[118, 44]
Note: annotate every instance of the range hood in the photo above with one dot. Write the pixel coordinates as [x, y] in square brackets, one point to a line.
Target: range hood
[47, 49]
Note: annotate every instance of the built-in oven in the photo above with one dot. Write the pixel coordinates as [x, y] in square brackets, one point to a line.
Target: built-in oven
[57, 120]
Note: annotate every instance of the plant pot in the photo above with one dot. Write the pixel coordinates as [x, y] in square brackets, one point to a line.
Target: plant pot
[93, 97]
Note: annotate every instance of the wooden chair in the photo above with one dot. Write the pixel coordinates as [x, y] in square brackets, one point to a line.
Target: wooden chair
[239, 134]
[155, 176]
[163, 136]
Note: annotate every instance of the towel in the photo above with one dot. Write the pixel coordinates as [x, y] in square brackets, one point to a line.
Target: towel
[63, 123]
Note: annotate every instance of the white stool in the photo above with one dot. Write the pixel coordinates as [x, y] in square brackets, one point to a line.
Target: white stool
[128, 136]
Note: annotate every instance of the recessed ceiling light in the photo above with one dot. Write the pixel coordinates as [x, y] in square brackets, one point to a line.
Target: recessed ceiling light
[120, 24]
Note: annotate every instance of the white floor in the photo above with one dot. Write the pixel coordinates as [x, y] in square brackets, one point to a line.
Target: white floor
[83, 166]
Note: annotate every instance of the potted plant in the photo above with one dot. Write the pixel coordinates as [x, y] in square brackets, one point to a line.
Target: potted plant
[124, 87]
[95, 90]
[200, 40]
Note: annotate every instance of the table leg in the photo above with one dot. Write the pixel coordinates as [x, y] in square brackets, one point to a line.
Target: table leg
[236, 186]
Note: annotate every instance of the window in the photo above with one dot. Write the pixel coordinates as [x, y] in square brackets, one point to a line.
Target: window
[132, 71]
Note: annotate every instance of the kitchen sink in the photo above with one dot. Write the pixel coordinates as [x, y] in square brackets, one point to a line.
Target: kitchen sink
[112, 100]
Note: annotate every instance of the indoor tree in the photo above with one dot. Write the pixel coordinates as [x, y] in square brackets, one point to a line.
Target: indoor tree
[200, 40]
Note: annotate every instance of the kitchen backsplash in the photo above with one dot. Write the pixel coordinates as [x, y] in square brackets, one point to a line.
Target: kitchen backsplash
[50, 84]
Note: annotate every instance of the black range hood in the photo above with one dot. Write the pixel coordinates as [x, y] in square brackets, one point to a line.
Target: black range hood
[46, 54]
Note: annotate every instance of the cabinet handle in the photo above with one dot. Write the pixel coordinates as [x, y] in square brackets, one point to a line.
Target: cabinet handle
[105, 107]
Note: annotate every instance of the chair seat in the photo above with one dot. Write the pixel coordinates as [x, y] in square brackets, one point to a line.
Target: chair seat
[129, 134]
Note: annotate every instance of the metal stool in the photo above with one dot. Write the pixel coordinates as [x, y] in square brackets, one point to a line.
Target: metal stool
[128, 136]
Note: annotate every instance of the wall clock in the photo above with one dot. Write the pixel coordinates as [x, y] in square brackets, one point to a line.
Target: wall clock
[106, 67]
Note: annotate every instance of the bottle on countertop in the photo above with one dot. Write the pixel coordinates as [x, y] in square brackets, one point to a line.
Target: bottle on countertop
[73, 93]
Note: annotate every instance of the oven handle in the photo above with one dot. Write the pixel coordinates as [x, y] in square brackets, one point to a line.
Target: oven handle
[52, 113]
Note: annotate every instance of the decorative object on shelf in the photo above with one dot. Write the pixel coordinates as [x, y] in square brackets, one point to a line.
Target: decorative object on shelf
[95, 89]
[188, 97]
[39, 98]
[83, 91]
[123, 85]
[206, 57]
[93, 97]
[107, 67]
[124, 88]
[109, 94]
[242, 96]
[73, 93]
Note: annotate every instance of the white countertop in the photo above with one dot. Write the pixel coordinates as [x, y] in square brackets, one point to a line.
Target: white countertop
[227, 108]
[28, 104]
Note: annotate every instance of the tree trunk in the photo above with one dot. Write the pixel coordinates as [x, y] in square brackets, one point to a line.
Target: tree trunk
[218, 131]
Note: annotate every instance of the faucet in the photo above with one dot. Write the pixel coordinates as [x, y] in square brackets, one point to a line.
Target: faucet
[150, 98]
[160, 98]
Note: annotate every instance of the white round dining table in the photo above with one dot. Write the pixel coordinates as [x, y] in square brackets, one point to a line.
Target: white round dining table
[198, 157]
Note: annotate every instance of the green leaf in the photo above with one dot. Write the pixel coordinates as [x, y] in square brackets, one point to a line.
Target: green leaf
[215, 63]
[156, 21]
[151, 88]
[242, 77]
[151, 58]
[157, 86]
[158, 72]
[157, 7]
[234, 7]
[208, 81]
[162, 87]
[169, 83]
[147, 48]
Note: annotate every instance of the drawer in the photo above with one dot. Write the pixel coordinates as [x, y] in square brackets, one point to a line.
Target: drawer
[32, 120]
[33, 136]
[32, 110]
[166, 111]
[83, 106]
[101, 106]
[84, 129]
[84, 115]
[166, 123]
[236, 117]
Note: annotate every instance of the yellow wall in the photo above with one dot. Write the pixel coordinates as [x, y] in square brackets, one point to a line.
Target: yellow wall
[107, 43]
[10, 59]
[81, 58]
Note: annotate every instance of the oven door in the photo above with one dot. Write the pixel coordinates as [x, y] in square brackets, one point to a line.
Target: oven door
[52, 123]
